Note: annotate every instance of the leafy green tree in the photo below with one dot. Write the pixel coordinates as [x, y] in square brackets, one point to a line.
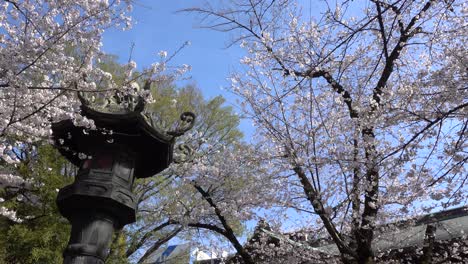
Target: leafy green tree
[41, 233]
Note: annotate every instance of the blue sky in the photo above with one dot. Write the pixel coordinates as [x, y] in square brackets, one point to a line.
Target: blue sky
[158, 26]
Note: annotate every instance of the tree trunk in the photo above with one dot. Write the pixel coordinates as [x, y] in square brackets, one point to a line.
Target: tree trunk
[429, 240]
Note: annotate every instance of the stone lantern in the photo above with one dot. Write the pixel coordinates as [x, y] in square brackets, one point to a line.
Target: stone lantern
[126, 144]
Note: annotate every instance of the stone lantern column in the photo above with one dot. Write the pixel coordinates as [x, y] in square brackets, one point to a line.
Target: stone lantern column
[125, 145]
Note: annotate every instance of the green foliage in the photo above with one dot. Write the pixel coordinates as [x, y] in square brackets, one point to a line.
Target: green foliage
[118, 249]
[109, 63]
[215, 120]
[43, 233]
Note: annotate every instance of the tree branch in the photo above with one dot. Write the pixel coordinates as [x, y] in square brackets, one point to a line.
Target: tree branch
[228, 231]
[136, 245]
[316, 202]
[158, 244]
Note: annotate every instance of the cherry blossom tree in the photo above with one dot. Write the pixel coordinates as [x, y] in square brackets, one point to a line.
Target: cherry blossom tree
[49, 51]
[365, 104]
[231, 186]
[213, 191]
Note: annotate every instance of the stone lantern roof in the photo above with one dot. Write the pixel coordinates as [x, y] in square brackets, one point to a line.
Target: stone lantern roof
[124, 123]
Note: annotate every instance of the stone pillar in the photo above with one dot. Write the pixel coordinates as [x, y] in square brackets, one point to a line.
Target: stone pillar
[99, 202]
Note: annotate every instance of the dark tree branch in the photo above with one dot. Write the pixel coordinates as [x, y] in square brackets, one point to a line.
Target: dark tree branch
[134, 246]
[406, 34]
[316, 202]
[429, 241]
[337, 87]
[210, 227]
[424, 129]
[382, 29]
[159, 243]
[228, 231]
